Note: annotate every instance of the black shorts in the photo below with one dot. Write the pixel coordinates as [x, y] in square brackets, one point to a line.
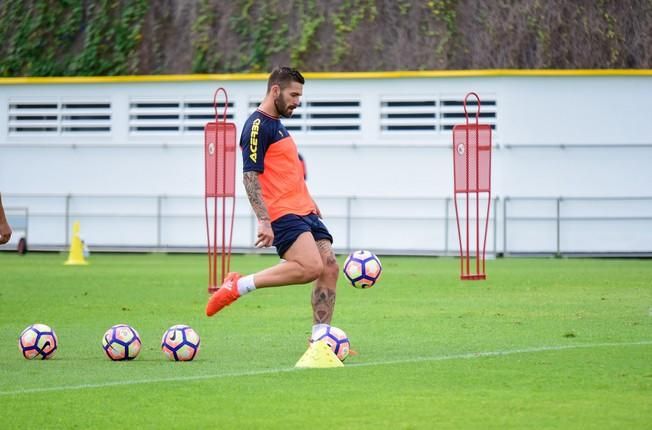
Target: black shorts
[288, 227]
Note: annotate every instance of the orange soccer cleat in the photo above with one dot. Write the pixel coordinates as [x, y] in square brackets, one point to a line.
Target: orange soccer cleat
[225, 295]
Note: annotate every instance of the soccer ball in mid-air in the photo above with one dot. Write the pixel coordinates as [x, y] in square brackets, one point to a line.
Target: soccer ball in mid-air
[38, 341]
[180, 343]
[121, 342]
[362, 269]
[336, 339]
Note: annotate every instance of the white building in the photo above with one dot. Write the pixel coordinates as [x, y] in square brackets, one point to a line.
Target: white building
[124, 156]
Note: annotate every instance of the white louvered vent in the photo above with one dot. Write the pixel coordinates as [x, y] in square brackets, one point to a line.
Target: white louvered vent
[173, 117]
[154, 117]
[197, 113]
[406, 115]
[431, 114]
[333, 115]
[452, 111]
[59, 117]
[33, 117]
[85, 117]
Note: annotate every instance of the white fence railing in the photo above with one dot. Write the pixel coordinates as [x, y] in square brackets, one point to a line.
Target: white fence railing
[419, 226]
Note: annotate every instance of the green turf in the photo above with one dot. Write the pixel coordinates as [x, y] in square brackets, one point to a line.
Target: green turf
[542, 344]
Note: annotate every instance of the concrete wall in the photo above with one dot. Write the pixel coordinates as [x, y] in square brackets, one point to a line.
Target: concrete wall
[77, 150]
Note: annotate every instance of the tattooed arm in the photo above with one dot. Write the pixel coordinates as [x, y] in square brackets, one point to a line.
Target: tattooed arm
[252, 186]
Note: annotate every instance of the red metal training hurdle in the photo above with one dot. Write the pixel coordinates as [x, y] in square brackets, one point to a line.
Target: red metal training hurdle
[472, 185]
[219, 163]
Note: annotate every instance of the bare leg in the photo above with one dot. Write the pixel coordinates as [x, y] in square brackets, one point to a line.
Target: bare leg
[306, 261]
[323, 293]
[303, 264]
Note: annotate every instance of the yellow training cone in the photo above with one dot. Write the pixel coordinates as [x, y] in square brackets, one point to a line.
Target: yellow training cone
[76, 255]
[319, 356]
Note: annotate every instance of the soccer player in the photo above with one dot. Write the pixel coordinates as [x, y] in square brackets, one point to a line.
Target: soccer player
[288, 217]
[5, 229]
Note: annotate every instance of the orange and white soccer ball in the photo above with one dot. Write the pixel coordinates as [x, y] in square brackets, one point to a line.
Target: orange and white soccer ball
[121, 342]
[38, 341]
[180, 343]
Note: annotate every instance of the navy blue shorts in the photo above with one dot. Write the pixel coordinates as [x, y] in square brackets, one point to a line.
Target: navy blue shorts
[288, 228]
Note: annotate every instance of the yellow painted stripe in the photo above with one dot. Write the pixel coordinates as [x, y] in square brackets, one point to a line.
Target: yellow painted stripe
[131, 79]
[480, 73]
[327, 75]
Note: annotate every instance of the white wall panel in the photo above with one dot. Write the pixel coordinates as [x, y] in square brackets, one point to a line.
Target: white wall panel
[555, 136]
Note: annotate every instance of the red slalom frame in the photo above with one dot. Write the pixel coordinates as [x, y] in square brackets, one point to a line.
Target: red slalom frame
[219, 164]
[472, 183]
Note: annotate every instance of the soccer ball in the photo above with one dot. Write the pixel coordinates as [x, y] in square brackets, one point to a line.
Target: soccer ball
[38, 341]
[180, 343]
[362, 269]
[121, 342]
[336, 339]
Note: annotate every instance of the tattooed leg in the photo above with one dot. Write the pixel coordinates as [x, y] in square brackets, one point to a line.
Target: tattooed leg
[323, 293]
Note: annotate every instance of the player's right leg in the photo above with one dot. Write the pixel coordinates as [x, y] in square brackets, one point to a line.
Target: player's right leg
[303, 264]
[225, 295]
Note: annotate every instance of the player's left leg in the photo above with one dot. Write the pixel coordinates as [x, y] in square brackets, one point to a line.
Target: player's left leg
[324, 290]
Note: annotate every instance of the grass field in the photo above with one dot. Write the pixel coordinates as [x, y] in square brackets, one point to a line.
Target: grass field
[542, 344]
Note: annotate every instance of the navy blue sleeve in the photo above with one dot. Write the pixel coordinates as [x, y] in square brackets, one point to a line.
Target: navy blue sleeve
[254, 142]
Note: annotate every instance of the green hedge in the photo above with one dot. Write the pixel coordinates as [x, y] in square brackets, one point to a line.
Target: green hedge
[121, 37]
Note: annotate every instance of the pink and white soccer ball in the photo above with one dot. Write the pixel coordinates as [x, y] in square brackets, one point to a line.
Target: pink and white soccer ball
[336, 339]
[38, 341]
[121, 342]
[180, 343]
[362, 268]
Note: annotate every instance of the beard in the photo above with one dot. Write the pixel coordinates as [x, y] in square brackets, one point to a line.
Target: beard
[282, 108]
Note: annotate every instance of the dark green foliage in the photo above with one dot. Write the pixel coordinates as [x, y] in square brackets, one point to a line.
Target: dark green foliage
[70, 37]
[118, 37]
